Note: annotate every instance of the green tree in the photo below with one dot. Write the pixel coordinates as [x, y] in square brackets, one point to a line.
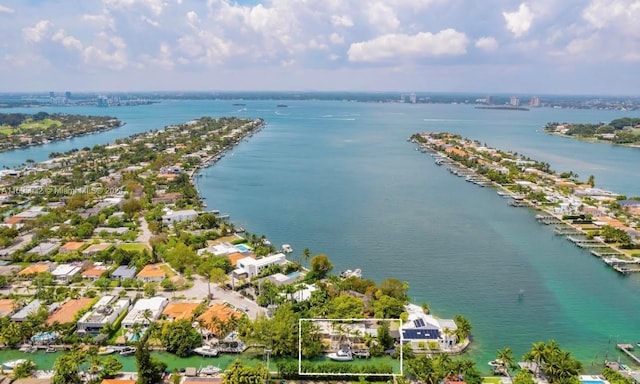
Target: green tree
[179, 337]
[523, 377]
[311, 340]
[394, 288]
[464, 327]
[110, 367]
[24, 369]
[320, 266]
[150, 370]
[238, 373]
[384, 335]
[67, 368]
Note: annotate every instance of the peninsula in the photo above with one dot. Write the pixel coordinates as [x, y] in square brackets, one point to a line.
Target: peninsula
[623, 131]
[19, 130]
[601, 221]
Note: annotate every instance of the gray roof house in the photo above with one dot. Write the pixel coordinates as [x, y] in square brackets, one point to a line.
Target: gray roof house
[124, 272]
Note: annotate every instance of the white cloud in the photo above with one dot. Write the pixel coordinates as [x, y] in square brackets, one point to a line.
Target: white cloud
[519, 22]
[4, 9]
[100, 20]
[488, 44]
[336, 38]
[156, 6]
[317, 45]
[382, 17]
[193, 19]
[68, 42]
[341, 21]
[388, 47]
[163, 59]
[149, 21]
[108, 51]
[38, 32]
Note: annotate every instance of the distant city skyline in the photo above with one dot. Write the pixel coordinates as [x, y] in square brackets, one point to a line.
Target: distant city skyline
[533, 47]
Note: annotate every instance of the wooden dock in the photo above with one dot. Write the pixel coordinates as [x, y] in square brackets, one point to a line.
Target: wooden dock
[627, 348]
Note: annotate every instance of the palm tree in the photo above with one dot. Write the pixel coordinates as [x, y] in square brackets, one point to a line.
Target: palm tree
[505, 357]
[536, 355]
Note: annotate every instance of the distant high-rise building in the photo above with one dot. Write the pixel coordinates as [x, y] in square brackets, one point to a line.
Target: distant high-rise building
[67, 95]
[535, 101]
[514, 101]
[488, 100]
[412, 98]
[52, 94]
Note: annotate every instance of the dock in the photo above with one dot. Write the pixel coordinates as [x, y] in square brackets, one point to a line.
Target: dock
[627, 348]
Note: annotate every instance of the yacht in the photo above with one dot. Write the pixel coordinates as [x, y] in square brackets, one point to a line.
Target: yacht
[209, 370]
[127, 351]
[51, 350]
[496, 363]
[207, 350]
[105, 351]
[286, 248]
[341, 355]
[11, 364]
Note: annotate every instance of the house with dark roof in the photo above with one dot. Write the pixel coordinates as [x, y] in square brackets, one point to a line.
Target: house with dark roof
[124, 272]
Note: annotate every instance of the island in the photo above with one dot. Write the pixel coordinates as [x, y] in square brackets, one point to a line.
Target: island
[19, 130]
[622, 131]
[600, 221]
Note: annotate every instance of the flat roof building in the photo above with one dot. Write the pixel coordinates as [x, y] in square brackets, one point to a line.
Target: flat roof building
[137, 313]
[105, 311]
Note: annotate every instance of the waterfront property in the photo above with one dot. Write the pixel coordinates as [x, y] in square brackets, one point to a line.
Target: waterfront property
[104, 311]
[421, 330]
[172, 217]
[251, 267]
[145, 311]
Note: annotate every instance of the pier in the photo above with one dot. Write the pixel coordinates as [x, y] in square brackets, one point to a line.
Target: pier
[627, 348]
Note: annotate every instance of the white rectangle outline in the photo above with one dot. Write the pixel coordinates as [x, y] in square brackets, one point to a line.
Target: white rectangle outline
[300, 373]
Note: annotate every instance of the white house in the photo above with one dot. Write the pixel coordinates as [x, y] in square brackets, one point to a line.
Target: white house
[177, 216]
[137, 313]
[422, 328]
[252, 267]
[104, 311]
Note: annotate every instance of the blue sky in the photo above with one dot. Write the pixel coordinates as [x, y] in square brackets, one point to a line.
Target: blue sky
[536, 46]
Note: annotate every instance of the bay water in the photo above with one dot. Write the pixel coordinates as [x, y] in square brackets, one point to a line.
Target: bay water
[341, 179]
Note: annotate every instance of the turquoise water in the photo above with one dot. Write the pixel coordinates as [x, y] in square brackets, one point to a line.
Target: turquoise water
[340, 178]
[293, 274]
[242, 247]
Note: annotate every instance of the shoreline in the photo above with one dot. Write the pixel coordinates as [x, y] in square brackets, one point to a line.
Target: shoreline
[592, 140]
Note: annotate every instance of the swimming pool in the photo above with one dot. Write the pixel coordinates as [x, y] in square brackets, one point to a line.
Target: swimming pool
[243, 247]
[586, 379]
[293, 275]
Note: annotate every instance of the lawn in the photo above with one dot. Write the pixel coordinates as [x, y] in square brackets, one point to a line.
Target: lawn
[133, 247]
[6, 130]
[39, 125]
[491, 380]
[167, 270]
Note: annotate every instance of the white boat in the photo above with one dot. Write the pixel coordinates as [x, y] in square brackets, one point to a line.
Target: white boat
[209, 370]
[286, 248]
[11, 364]
[496, 363]
[128, 351]
[341, 355]
[207, 350]
[105, 350]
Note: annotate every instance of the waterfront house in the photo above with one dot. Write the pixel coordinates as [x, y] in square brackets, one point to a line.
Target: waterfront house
[253, 267]
[67, 312]
[178, 216]
[137, 314]
[180, 310]
[213, 318]
[123, 272]
[152, 272]
[27, 310]
[104, 311]
[420, 329]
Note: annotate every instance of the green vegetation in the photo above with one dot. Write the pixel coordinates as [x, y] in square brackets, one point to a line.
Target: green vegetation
[619, 131]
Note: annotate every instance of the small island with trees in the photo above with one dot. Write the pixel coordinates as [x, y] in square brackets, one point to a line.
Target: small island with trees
[19, 130]
[622, 131]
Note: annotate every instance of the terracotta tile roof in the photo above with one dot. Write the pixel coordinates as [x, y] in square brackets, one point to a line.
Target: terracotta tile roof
[234, 257]
[15, 220]
[34, 269]
[67, 312]
[153, 270]
[220, 312]
[6, 306]
[94, 272]
[178, 311]
[72, 246]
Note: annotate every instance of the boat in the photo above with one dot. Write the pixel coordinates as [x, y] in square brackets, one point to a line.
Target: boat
[282, 105]
[286, 248]
[209, 370]
[127, 351]
[105, 351]
[207, 350]
[11, 364]
[341, 355]
[28, 348]
[51, 350]
[496, 363]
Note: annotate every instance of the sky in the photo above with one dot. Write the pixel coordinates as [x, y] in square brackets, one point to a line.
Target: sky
[534, 46]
